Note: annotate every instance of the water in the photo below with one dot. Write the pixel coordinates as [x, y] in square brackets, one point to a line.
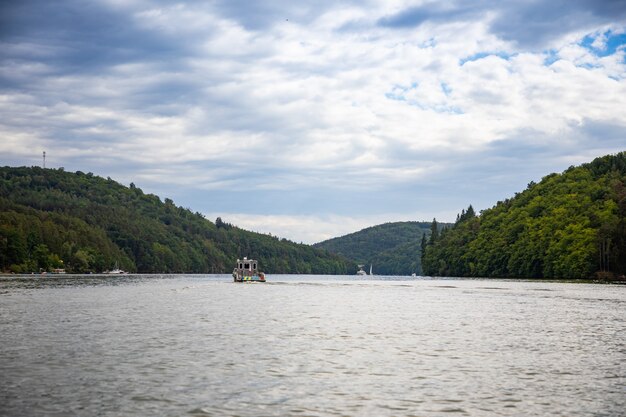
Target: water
[310, 346]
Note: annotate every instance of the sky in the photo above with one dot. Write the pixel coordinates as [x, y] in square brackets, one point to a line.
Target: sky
[314, 119]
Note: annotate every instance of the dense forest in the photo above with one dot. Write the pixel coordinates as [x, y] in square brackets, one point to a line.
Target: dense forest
[569, 225]
[392, 248]
[50, 219]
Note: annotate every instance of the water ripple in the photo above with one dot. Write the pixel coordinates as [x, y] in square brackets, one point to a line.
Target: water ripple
[310, 346]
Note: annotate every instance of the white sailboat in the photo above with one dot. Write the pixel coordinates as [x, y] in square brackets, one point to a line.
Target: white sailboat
[116, 271]
[371, 270]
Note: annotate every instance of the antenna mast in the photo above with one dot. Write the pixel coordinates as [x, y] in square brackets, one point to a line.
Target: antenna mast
[44, 159]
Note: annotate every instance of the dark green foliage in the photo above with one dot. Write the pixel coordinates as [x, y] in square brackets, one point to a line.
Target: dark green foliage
[393, 248]
[434, 232]
[52, 219]
[569, 226]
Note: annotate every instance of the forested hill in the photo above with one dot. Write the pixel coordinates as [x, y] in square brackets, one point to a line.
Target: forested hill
[392, 248]
[50, 218]
[570, 225]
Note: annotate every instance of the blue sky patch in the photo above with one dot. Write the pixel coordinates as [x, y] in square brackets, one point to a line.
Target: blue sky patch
[551, 56]
[481, 55]
[446, 89]
[588, 66]
[398, 93]
[613, 43]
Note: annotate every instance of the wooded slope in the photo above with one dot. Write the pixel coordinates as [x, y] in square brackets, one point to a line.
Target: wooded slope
[50, 218]
[392, 248]
[569, 225]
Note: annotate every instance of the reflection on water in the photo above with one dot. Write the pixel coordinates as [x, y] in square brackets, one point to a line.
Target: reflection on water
[310, 345]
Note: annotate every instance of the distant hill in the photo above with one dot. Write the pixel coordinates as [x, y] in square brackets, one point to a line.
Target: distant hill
[570, 225]
[50, 218]
[392, 248]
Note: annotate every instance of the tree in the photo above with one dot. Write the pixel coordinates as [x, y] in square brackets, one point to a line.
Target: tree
[569, 225]
[41, 255]
[13, 246]
[82, 261]
[434, 232]
[470, 213]
[92, 223]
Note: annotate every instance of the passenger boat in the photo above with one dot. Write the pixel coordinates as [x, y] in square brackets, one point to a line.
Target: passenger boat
[247, 270]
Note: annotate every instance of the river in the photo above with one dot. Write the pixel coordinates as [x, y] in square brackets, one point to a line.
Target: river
[200, 345]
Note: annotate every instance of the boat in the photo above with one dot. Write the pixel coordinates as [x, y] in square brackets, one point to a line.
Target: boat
[247, 270]
[115, 271]
[55, 271]
[361, 271]
[371, 270]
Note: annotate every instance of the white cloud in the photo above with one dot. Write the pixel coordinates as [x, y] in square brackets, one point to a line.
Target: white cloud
[196, 96]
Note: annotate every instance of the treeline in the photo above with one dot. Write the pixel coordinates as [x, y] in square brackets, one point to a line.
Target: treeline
[50, 218]
[392, 248]
[569, 226]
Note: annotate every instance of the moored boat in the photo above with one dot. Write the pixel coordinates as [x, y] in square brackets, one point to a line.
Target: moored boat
[115, 271]
[247, 270]
[55, 271]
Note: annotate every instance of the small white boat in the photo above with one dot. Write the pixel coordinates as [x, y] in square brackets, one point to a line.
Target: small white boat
[55, 271]
[361, 271]
[115, 271]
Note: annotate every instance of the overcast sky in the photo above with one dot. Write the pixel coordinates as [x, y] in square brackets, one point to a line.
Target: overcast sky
[313, 119]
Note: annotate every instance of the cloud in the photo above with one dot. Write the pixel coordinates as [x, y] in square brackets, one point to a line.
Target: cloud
[431, 12]
[261, 15]
[531, 25]
[359, 110]
[84, 38]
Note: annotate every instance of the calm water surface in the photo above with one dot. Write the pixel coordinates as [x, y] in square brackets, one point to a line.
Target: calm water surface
[310, 346]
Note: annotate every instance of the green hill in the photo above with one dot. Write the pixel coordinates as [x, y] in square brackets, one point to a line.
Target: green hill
[392, 248]
[570, 225]
[55, 219]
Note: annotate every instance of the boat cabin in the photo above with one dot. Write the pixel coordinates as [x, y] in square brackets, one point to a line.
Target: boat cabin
[247, 270]
[247, 266]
